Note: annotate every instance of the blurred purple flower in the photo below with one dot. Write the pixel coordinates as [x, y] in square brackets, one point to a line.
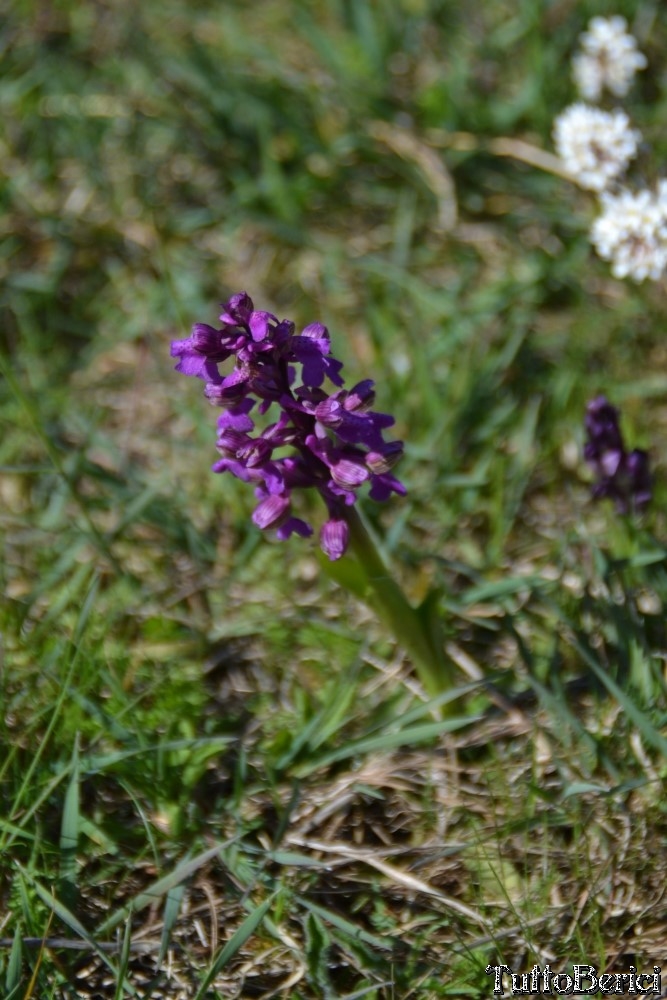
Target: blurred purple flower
[336, 441]
[621, 476]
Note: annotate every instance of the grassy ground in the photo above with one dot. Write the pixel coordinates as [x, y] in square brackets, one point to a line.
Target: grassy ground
[220, 776]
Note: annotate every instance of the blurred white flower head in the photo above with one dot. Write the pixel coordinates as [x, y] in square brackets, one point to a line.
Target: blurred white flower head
[631, 233]
[595, 146]
[609, 60]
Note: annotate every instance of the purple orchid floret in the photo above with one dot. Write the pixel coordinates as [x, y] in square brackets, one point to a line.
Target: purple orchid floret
[621, 476]
[330, 442]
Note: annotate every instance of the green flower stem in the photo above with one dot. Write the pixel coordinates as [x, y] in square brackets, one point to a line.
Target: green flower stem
[410, 630]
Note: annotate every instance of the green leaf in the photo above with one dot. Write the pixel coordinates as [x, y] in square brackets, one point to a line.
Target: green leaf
[236, 941]
[124, 960]
[159, 888]
[633, 712]
[318, 942]
[346, 926]
[410, 736]
[69, 834]
[15, 963]
[172, 908]
[583, 788]
[74, 924]
[348, 573]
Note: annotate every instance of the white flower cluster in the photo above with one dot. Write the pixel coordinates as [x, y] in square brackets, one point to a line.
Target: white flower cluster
[595, 146]
[609, 59]
[632, 233]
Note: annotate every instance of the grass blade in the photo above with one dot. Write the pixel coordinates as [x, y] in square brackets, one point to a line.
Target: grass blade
[409, 736]
[346, 926]
[68, 918]
[161, 887]
[635, 714]
[124, 961]
[236, 941]
[172, 908]
[69, 835]
[14, 965]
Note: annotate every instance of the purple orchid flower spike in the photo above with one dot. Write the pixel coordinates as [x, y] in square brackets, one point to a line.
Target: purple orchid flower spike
[335, 440]
[620, 476]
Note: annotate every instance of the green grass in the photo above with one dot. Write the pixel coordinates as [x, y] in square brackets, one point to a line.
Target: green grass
[220, 777]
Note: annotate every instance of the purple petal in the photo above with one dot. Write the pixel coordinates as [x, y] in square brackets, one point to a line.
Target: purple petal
[383, 486]
[321, 446]
[311, 352]
[349, 474]
[240, 376]
[231, 442]
[380, 462]
[334, 538]
[273, 477]
[259, 324]
[270, 510]
[332, 369]
[237, 417]
[330, 411]
[602, 425]
[236, 468]
[361, 396]
[610, 462]
[237, 310]
[347, 496]
[193, 361]
[294, 525]
[283, 332]
[196, 364]
[364, 428]
[206, 339]
[640, 477]
[318, 334]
